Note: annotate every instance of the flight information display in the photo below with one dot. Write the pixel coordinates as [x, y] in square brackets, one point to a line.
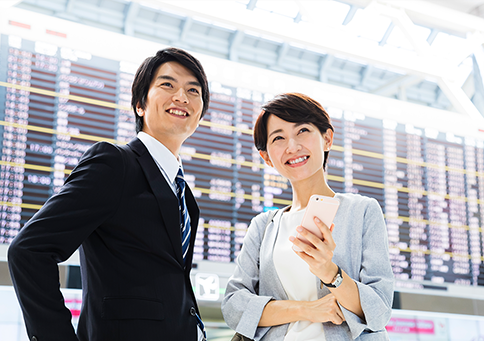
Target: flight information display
[56, 102]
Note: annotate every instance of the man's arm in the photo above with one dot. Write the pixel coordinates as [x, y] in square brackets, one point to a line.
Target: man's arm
[88, 198]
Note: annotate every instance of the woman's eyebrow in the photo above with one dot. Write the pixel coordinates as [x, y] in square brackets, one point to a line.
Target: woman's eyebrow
[275, 132]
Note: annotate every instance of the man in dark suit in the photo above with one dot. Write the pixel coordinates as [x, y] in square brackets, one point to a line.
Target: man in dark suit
[122, 205]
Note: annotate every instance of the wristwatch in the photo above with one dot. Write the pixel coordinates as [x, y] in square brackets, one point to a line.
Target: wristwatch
[337, 280]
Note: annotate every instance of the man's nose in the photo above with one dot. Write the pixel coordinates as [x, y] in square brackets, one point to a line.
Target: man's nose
[180, 96]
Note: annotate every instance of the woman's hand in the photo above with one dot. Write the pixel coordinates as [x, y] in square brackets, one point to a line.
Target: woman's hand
[318, 253]
[326, 309]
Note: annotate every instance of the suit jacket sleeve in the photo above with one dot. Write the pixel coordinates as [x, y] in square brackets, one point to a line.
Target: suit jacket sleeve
[89, 197]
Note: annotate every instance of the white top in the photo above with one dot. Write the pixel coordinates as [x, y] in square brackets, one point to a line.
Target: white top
[164, 159]
[298, 282]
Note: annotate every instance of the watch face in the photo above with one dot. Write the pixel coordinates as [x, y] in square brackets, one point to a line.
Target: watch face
[337, 281]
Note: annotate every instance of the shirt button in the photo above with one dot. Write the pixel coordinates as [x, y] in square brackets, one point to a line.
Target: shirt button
[193, 312]
[34, 338]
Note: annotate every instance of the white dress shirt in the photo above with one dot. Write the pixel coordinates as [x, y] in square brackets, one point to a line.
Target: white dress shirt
[164, 158]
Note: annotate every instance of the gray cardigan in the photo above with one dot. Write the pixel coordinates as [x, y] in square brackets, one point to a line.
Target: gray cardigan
[361, 251]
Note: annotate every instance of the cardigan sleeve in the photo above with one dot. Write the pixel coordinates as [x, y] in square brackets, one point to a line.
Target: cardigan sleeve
[242, 306]
[375, 283]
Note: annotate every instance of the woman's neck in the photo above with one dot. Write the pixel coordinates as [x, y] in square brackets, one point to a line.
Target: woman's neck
[302, 190]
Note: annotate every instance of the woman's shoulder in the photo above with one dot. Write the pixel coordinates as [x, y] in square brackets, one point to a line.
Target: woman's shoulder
[261, 218]
[357, 201]
[352, 198]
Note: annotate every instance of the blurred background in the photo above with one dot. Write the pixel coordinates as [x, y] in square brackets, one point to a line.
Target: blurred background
[402, 81]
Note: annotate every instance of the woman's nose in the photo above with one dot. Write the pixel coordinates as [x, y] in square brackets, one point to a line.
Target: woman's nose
[292, 146]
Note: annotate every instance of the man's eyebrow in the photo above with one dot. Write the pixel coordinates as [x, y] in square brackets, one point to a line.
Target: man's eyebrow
[170, 78]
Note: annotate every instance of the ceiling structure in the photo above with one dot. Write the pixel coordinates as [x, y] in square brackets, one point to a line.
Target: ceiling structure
[426, 52]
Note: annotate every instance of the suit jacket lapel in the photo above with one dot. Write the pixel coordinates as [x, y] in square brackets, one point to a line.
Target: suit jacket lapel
[194, 212]
[167, 200]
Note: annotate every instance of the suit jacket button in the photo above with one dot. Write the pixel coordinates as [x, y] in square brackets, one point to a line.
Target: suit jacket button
[193, 312]
[34, 338]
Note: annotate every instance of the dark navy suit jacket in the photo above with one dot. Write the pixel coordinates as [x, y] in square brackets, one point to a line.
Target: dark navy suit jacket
[117, 206]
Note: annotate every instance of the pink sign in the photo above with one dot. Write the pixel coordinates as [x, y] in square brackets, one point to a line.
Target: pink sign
[74, 306]
[410, 326]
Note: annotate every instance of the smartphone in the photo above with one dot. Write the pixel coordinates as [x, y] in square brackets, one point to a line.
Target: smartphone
[322, 207]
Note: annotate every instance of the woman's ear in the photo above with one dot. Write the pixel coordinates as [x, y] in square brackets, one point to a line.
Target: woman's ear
[328, 140]
[266, 157]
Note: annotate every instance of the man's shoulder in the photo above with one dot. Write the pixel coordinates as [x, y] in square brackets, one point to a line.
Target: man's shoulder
[109, 148]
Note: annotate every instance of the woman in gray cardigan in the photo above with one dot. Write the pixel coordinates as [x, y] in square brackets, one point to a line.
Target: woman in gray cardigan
[339, 287]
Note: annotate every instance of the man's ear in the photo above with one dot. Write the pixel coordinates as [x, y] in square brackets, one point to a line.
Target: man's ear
[266, 157]
[140, 110]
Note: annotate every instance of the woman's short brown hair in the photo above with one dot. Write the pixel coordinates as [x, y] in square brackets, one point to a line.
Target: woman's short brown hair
[294, 108]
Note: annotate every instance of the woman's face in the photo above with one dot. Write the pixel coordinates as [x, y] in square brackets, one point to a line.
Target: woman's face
[295, 150]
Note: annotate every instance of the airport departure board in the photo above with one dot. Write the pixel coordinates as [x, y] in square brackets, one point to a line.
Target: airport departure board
[56, 102]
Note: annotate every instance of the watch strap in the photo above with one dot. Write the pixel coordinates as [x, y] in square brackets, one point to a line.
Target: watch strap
[338, 278]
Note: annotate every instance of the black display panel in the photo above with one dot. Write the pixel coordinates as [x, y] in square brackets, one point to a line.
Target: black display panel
[55, 104]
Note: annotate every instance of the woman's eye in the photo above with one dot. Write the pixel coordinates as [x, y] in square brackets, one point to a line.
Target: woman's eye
[276, 138]
[302, 130]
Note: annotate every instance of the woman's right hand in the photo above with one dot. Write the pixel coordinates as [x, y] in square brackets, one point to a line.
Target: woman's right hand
[326, 309]
[278, 312]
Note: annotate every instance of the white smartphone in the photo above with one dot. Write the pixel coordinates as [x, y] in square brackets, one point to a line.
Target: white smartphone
[322, 207]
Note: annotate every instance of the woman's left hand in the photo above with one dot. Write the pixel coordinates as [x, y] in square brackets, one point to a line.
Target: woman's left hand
[318, 253]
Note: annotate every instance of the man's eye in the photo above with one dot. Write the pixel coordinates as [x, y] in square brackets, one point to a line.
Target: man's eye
[302, 130]
[194, 91]
[166, 84]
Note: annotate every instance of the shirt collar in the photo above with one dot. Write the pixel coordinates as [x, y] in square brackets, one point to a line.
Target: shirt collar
[162, 155]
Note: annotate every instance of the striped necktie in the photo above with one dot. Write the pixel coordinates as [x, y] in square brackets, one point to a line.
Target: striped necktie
[184, 217]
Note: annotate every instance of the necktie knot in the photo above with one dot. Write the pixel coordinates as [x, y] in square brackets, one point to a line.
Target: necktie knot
[180, 178]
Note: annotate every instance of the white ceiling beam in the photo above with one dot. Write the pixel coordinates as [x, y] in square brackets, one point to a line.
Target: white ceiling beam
[402, 94]
[350, 15]
[186, 28]
[393, 86]
[460, 101]
[69, 5]
[251, 5]
[402, 20]
[325, 65]
[365, 75]
[432, 15]
[385, 37]
[473, 43]
[237, 38]
[468, 86]
[129, 17]
[432, 36]
[335, 40]
[283, 49]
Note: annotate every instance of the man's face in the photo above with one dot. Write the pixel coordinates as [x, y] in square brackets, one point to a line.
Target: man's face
[173, 106]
